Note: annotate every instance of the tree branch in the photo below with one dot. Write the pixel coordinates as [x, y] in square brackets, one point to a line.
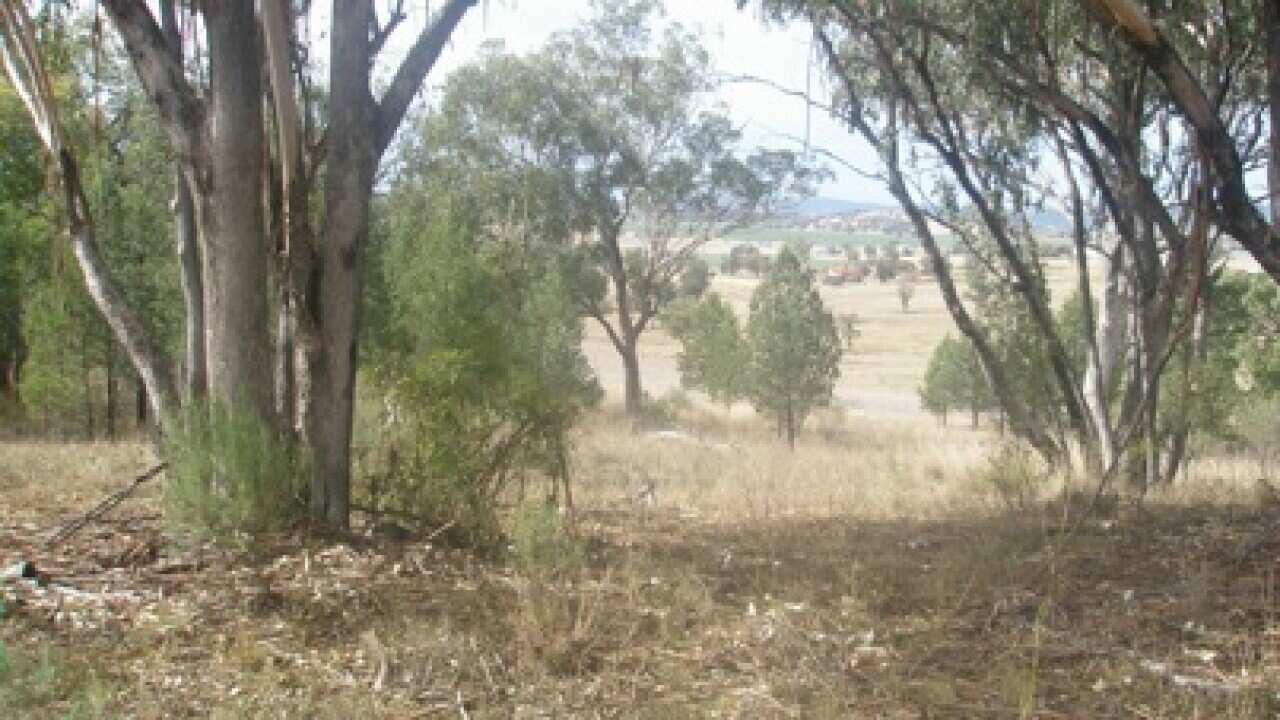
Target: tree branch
[382, 32]
[161, 75]
[1239, 217]
[413, 70]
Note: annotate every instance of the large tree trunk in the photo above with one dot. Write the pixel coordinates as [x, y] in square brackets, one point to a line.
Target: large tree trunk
[352, 155]
[1272, 19]
[230, 214]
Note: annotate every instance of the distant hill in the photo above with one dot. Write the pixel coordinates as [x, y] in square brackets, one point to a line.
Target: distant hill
[1047, 220]
[819, 206]
[1050, 220]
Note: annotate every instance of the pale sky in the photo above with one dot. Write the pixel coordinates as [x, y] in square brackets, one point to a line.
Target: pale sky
[739, 45]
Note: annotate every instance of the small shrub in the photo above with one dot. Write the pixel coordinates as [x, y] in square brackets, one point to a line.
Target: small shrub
[541, 542]
[47, 684]
[229, 473]
[1013, 475]
[479, 371]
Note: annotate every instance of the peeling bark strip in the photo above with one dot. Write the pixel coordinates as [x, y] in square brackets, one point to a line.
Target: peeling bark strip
[186, 244]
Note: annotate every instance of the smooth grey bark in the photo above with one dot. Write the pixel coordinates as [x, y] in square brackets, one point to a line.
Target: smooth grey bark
[1111, 331]
[230, 214]
[359, 131]
[349, 183]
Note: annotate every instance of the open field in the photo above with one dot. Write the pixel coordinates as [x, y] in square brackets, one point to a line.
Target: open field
[878, 379]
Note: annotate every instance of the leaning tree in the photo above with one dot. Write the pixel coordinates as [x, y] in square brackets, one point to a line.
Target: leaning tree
[967, 104]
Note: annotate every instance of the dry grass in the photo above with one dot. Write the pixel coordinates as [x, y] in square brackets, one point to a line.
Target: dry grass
[721, 469]
[872, 573]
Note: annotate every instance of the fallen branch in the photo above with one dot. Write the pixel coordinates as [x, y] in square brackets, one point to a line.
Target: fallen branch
[102, 508]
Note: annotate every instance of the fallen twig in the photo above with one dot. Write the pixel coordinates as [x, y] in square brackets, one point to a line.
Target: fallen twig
[103, 507]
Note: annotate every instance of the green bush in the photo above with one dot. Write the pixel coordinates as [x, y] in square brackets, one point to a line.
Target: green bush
[230, 473]
[480, 373]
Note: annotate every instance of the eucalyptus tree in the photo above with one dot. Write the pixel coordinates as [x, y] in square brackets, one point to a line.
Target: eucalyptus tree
[970, 100]
[212, 113]
[614, 119]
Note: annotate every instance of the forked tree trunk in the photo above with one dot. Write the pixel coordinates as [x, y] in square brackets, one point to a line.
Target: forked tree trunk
[359, 132]
[626, 338]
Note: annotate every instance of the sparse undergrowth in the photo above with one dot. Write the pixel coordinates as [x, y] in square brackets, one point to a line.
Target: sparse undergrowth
[825, 601]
